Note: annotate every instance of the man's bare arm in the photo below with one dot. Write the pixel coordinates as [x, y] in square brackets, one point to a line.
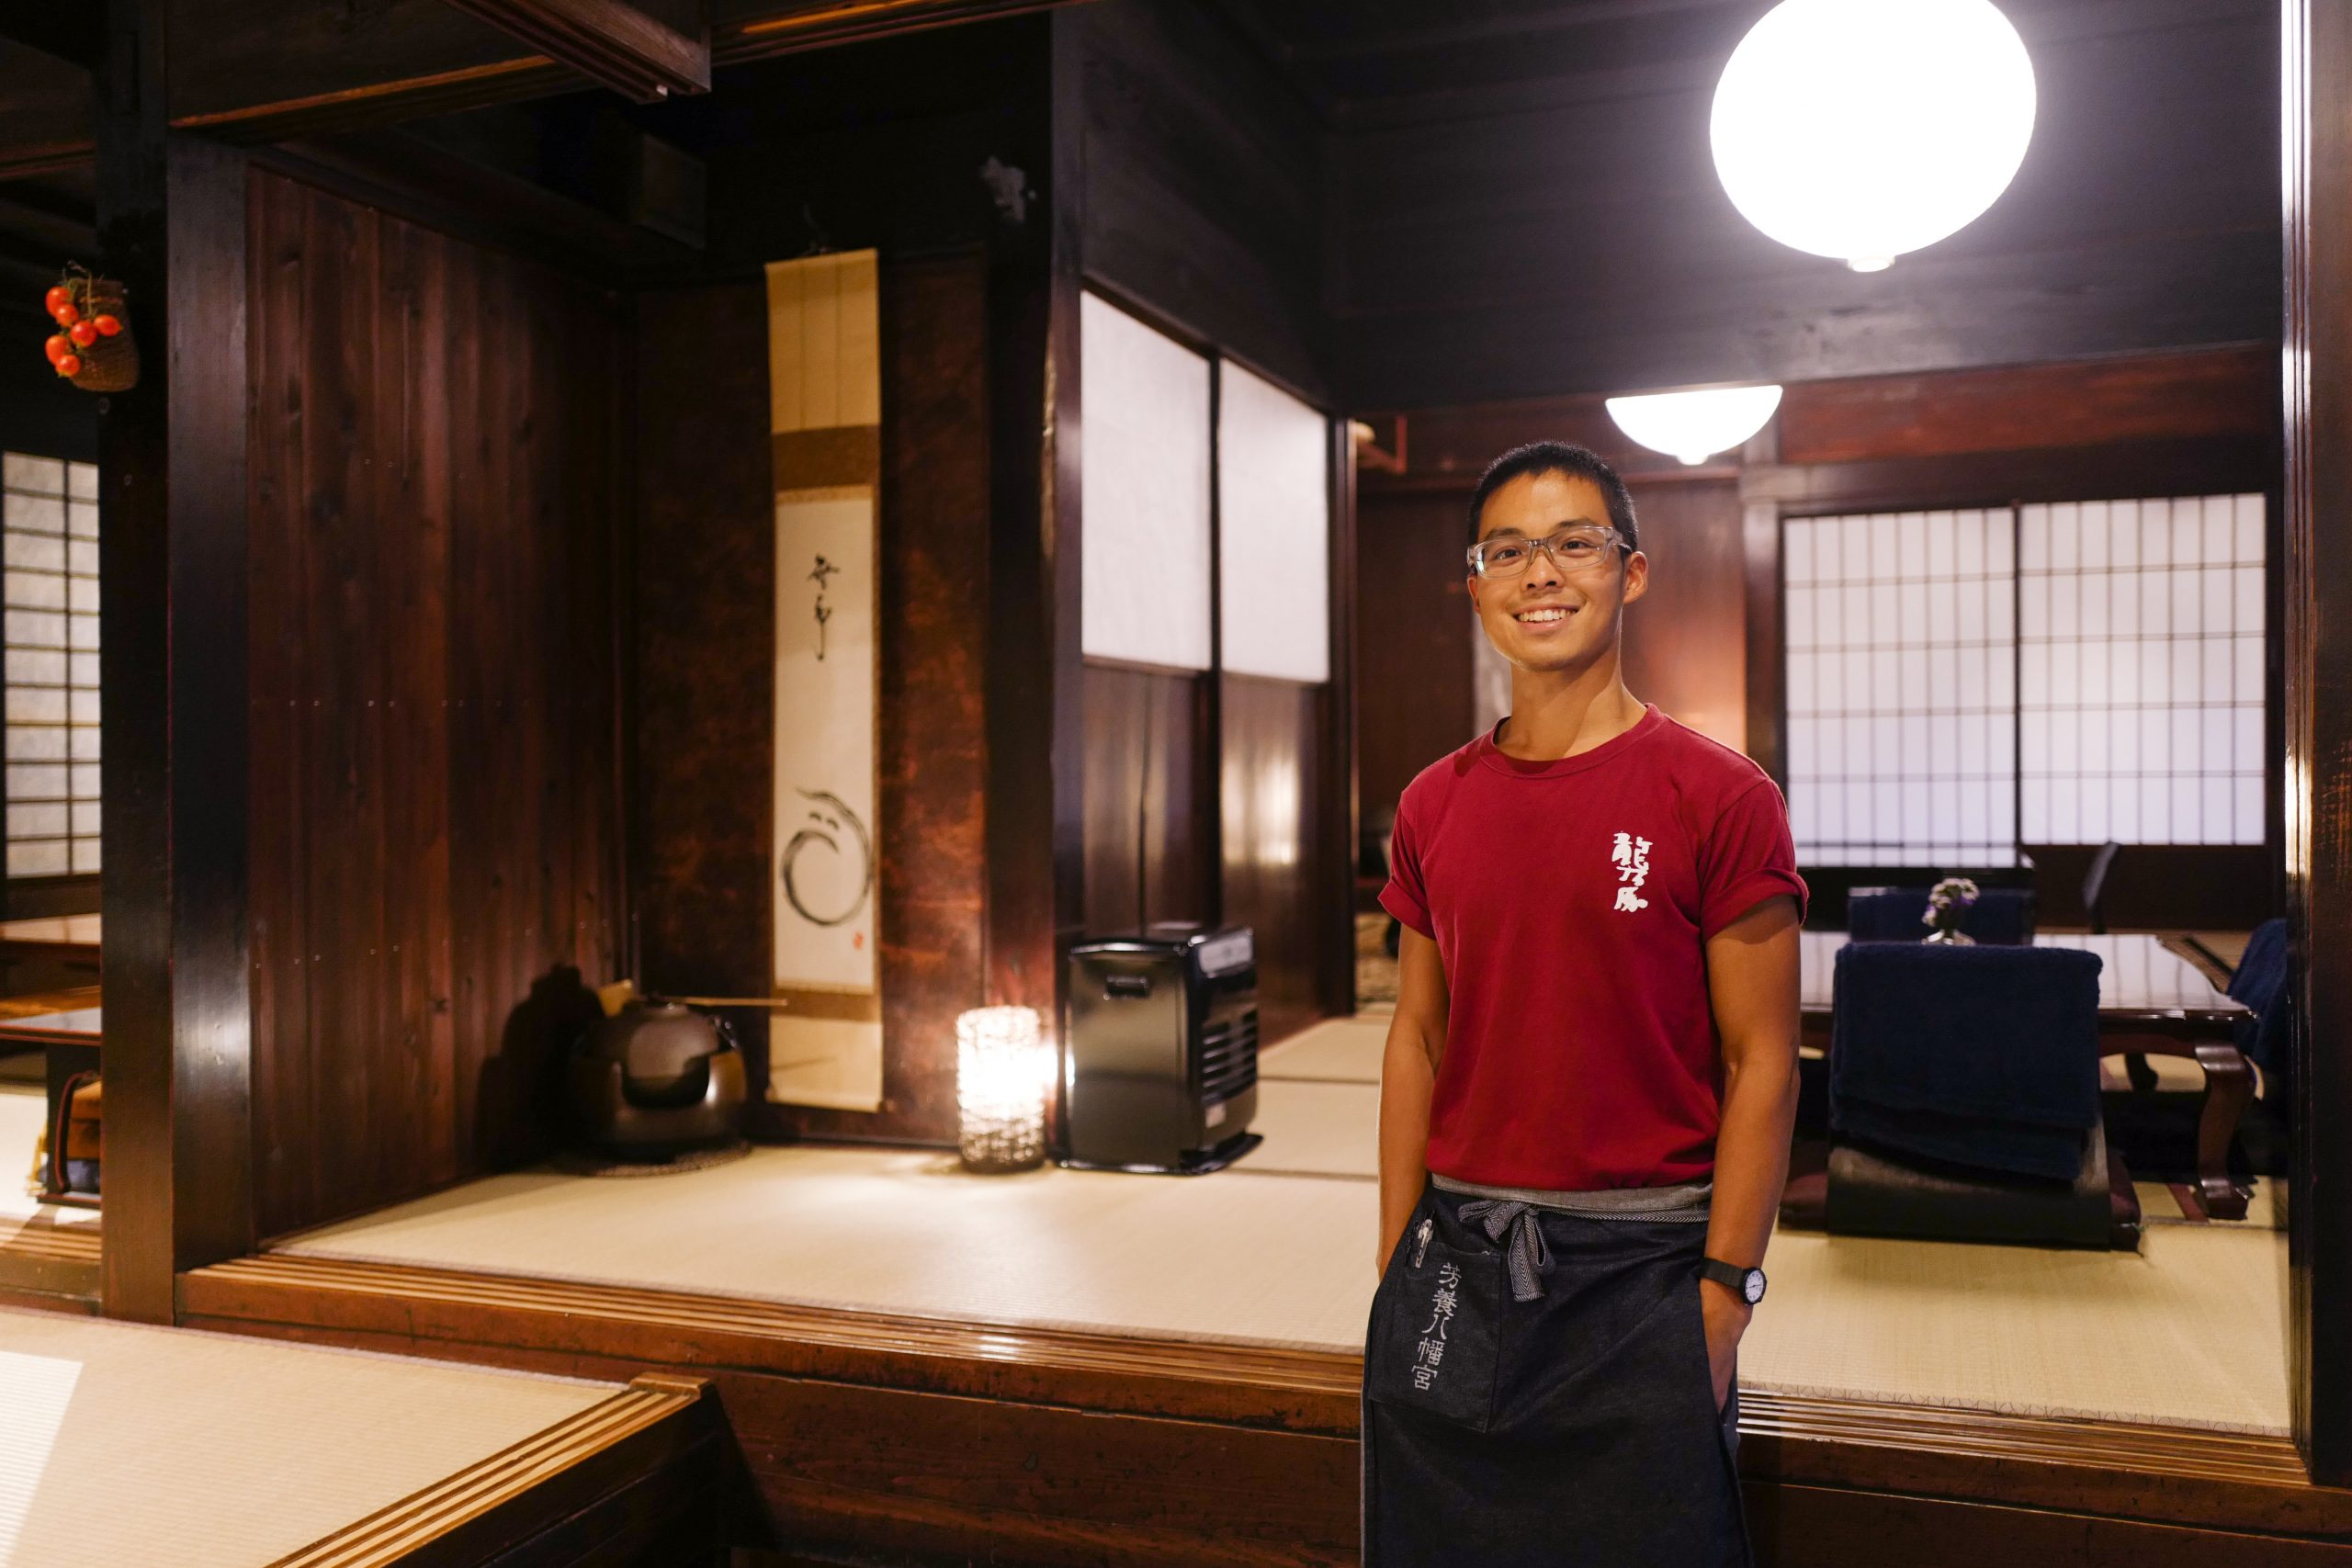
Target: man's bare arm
[1408, 1077]
[1752, 986]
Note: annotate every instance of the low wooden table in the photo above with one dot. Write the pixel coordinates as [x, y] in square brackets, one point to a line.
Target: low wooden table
[2152, 1002]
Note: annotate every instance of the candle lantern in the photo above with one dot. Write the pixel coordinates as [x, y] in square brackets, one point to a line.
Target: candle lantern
[1004, 1070]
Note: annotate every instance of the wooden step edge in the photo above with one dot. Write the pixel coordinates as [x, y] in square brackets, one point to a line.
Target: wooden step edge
[2082, 1442]
[394, 1531]
[1312, 1371]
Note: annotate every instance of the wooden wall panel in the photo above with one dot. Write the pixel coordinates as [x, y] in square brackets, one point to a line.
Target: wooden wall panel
[701, 608]
[1273, 799]
[435, 873]
[1204, 181]
[1414, 628]
[1149, 839]
[2162, 397]
[704, 618]
[1686, 642]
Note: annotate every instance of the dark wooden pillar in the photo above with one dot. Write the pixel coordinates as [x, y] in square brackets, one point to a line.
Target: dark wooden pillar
[172, 563]
[2318, 361]
[1333, 896]
[1034, 690]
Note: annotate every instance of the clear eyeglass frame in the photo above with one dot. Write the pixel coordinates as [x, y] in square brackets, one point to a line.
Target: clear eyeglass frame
[1584, 548]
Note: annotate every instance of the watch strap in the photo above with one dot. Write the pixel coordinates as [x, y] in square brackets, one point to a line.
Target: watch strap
[1730, 1275]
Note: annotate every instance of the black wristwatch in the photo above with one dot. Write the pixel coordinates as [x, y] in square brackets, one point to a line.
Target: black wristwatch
[1747, 1284]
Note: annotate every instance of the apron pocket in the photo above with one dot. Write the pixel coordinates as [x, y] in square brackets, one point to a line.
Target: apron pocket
[1435, 1330]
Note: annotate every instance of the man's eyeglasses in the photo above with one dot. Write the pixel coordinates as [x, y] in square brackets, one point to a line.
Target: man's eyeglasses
[1584, 548]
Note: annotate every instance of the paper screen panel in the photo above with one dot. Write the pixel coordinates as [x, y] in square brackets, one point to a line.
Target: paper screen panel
[2141, 692]
[1273, 522]
[50, 513]
[1145, 433]
[1901, 681]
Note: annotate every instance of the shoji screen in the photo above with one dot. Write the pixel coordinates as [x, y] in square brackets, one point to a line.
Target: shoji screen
[1902, 688]
[52, 516]
[1274, 522]
[1143, 401]
[2141, 690]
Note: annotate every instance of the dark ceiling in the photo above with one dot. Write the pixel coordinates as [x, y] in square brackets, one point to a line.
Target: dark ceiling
[1358, 59]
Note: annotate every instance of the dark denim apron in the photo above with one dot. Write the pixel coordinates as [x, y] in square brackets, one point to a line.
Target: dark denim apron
[1537, 1391]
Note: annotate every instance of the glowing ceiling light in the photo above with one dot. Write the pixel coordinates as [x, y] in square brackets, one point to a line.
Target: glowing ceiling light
[1864, 128]
[1693, 426]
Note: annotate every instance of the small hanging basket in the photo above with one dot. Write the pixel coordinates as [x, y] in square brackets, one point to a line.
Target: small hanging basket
[110, 363]
[92, 345]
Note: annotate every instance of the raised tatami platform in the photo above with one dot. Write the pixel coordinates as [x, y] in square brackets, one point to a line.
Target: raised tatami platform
[1276, 1252]
[127, 1445]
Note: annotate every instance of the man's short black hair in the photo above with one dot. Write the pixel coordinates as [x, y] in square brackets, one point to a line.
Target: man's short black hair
[1557, 458]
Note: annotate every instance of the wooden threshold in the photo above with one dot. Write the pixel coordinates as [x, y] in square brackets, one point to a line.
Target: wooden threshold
[51, 1268]
[502, 1502]
[2174, 1476]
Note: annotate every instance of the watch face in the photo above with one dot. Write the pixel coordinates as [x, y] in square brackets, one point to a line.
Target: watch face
[1752, 1287]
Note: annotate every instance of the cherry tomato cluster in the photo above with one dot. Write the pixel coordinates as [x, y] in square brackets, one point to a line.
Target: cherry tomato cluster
[78, 331]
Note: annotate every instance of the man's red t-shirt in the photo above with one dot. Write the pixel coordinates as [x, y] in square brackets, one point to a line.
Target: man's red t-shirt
[1571, 902]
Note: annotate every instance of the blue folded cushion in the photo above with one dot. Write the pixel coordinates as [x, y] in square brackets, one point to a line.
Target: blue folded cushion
[1983, 1056]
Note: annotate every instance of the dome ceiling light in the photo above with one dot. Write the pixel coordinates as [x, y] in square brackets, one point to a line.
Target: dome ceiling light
[1864, 128]
[1694, 425]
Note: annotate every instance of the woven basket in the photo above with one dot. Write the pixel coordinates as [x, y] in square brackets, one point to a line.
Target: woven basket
[112, 364]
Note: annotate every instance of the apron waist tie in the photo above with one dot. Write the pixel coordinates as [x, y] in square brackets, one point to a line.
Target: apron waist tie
[1525, 1251]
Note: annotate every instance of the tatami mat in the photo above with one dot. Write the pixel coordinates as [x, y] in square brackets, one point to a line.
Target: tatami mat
[2191, 1331]
[1340, 1050]
[1316, 1129]
[1277, 1248]
[121, 1444]
[1263, 1258]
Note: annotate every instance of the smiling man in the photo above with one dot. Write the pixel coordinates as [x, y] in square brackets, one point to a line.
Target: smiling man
[1588, 1086]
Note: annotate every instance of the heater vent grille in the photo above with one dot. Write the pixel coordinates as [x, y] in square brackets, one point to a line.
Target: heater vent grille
[1229, 1057]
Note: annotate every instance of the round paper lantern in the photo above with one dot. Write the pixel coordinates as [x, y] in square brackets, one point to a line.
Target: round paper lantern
[1864, 128]
[1693, 425]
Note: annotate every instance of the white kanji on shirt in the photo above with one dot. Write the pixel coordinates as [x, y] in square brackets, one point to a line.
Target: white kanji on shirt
[1631, 856]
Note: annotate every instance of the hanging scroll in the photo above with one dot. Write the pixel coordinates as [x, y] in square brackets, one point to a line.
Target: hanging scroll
[824, 376]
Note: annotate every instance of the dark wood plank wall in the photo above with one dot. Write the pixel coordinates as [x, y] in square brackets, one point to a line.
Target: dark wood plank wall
[1276, 872]
[1413, 661]
[435, 815]
[1150, 853]
[700, 604]
[1563, 229]
[1204, 183]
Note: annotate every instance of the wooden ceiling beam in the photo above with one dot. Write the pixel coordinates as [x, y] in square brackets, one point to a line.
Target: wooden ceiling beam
[629, 50]
[316, 71]
[745, 30]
